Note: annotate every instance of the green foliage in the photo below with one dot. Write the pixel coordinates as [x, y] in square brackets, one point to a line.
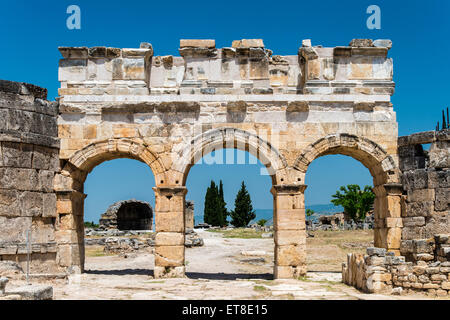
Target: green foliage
[261, 222]
[356, 202]
[309, 212]
[223, 205]
[91, 224]
[215, 211]
[243, 211]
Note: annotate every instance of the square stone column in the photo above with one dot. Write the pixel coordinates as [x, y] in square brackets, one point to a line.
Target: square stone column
[69, 234]
[289, 231]
[170, 230]
[393, 217]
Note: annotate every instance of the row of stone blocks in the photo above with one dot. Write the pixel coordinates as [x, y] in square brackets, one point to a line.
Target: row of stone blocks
[29, 159]
[383, 272]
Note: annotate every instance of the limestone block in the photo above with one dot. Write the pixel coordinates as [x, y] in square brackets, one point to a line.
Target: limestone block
[419, 209]
[169, 221]
[169, 239]
[14, 229]
[68, 255]
[17, 155]
[66, 237]
[290, 237]
[133, 69]
[248, 43]
[290, 255]
[442, 199]
[314, 69]
[169, 272]
[290, 219]
[421, 195]
[100, 69]
[9, 201]
[169, 256]
[197, 43]
[259, 69]
[31, 203]
[72, 70]
[49, 205]
[289, 272]
[361, 68]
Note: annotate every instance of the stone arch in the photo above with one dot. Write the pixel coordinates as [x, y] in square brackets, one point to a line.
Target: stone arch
[384, 171]
[69, 187]
[221, 138]
[92, 155]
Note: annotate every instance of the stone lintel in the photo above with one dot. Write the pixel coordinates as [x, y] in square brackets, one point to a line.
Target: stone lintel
[417, 138]
[248, 43]
[197, 43]
[176, 190]
[393, 188]
[288, 189]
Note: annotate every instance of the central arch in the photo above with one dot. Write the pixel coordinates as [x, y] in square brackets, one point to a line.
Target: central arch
[230, 138]
[385, 173]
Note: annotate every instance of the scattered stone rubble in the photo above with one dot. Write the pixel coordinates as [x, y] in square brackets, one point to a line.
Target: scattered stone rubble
[340, 221]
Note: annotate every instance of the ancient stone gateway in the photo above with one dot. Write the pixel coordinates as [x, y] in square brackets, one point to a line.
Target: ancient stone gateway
[169, 112]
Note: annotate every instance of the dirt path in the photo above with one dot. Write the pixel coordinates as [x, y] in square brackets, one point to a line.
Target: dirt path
[218, 270]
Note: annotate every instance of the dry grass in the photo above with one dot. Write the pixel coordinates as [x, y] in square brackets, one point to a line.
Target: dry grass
[241, 233]
[328, 249]
[95, 251]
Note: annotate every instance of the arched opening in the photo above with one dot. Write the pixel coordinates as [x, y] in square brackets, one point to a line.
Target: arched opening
[231, 252]
[134, 216]
[385, 174]
[89, 183]
[230, 139]
[333, 233]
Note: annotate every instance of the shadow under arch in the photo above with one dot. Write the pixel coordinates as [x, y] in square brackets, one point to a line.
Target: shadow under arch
[229, 138]
[385, 173]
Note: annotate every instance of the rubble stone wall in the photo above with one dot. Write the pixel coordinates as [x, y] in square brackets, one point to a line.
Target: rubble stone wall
[426, 184]
[424, 264]
[29, 159]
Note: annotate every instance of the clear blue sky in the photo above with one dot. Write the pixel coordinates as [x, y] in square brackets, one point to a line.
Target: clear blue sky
[31, 31]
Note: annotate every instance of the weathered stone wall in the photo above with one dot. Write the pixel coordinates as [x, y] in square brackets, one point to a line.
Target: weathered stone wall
[425, 246]
[29, 159]
[382, 272]
[426, 183]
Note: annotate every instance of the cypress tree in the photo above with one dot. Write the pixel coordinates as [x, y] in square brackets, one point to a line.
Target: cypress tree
[243, 211]
[223, 205]
[213, 211]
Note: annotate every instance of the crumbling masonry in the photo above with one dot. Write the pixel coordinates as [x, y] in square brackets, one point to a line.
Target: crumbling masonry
[169, 112]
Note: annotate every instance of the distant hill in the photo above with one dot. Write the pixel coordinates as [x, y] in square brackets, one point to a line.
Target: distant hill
[320, 209]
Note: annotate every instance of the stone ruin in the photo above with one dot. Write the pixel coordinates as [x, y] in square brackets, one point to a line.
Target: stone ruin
[424, 264]
[169, 111]
[29, 159]
[340, 221]
[127, 215]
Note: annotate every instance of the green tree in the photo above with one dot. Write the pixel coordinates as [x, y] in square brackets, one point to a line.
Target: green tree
[309, 212]
[356, 202]
[261, 222]
[212, 213]
[243, 211]
[223, 205]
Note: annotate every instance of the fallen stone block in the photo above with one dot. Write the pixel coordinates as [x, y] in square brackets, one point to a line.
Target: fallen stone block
[33, 292]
